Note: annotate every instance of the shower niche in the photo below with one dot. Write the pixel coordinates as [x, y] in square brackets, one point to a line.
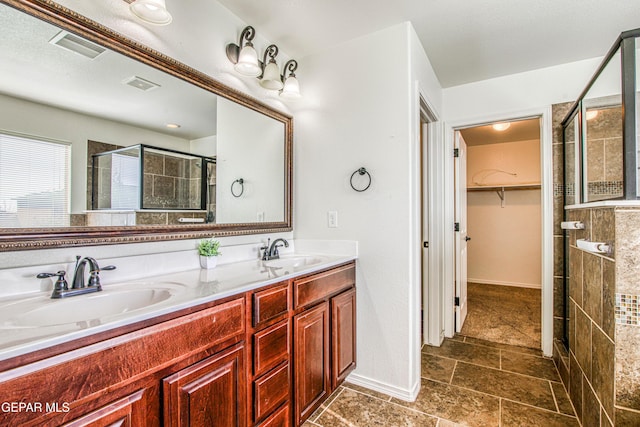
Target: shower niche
[146, 185]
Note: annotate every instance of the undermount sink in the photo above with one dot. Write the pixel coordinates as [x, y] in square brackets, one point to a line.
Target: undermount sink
[90, 308]
[294, 261]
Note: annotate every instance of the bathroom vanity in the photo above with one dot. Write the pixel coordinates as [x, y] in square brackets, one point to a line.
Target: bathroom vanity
[263, 355]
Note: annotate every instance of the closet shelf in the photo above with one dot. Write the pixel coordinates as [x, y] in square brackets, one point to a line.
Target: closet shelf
[500, 189]
[504, 187]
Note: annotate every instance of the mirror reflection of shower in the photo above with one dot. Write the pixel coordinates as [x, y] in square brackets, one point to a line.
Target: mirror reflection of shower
[211, 190]
[169, 185]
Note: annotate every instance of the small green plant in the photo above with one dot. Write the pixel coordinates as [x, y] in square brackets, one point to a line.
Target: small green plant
[209, 247]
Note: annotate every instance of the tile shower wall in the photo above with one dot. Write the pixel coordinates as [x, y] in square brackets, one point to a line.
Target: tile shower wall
[603, 360]
[171, 182]
[602, 369]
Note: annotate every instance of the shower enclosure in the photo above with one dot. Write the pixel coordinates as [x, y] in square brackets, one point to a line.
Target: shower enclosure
[144, 177]
[600, 136]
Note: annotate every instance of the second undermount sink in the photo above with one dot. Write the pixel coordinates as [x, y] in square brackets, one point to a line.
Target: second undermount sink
[294, 261]
[90, 308]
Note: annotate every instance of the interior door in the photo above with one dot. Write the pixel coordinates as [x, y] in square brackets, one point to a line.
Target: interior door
[461, 238]
[424, 214]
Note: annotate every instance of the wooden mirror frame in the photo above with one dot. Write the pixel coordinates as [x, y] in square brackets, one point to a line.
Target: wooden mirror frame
[12, 239]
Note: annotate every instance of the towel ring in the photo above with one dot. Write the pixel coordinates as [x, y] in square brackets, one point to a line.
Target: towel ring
[361, 171]
[241, 182]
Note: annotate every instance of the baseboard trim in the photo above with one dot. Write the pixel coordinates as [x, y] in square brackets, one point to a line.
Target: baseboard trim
[391, 390]
[512, 284]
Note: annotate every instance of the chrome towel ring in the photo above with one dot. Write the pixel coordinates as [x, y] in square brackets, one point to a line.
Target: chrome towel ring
[361, 171]
[240, 182]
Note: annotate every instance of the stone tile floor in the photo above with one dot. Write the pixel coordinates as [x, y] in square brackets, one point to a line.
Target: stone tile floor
[505, 314]
[466, 381]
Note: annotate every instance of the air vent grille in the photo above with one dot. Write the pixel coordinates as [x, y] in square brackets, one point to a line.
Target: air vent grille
[140, 83]
[77, 44]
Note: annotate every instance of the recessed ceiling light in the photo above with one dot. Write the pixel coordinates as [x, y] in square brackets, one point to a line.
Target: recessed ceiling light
[501, 126]
[172, 126]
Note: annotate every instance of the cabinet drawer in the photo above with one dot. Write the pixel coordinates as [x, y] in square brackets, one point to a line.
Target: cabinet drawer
[280, 418]
[270, 391]
[271, 347]
[270, 303]
[319, 286]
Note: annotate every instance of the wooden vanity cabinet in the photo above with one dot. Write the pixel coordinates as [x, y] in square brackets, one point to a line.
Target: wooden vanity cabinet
[270, 337]
[324, 336]
[208, 393]
[264, 358]
[197, 357]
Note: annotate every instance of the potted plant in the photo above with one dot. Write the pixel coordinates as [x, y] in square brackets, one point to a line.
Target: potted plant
[208, 250]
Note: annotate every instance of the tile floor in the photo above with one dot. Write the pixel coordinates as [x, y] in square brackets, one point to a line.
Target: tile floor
[505, 314]
[466, 381]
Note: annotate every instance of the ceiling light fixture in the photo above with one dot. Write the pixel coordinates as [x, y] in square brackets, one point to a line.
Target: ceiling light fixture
[246, 61]
[151, 11]
[501, 126]
[173, 126]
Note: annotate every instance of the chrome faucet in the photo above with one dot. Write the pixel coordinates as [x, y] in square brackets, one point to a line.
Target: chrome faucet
[78, 286]
[271, 250]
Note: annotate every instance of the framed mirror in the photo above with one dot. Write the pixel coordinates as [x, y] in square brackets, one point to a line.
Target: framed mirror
[105, 141]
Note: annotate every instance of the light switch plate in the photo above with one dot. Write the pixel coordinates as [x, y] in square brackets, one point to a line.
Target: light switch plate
[332, 219]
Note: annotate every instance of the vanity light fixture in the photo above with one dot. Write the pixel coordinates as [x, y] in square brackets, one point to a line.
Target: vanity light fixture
[592, 114]
[246, 61]
[291, 89]
[243, 55]
[151, 11]
[501, 126]
[270, 78]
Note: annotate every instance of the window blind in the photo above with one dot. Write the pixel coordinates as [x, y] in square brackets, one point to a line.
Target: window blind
[34, 182]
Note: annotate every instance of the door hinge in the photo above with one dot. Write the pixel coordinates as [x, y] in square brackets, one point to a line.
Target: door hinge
[456, 301]
[456, 226]
[456, 152]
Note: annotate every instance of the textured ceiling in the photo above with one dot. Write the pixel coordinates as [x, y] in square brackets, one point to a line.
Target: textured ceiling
[465, 40]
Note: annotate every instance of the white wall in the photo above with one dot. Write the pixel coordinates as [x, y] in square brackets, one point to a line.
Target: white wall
[353, 116]
[249, 146]
[517, 92]
[34, 119]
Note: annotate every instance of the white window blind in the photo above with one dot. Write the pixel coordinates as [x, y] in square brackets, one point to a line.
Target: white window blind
[34, 182]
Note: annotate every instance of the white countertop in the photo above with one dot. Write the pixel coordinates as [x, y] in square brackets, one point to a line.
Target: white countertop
[194, 287]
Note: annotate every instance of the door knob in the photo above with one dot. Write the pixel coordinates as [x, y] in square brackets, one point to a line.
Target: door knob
[466, 239]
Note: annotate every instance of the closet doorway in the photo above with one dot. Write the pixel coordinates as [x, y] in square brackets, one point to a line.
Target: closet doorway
[499, 232]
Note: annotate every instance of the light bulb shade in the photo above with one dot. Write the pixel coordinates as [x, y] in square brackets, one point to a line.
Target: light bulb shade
[247, 64]
[271, 78]
[291, 89]
[151, 11]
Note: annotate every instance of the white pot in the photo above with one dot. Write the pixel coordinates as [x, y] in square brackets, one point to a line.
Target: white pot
[208, 261]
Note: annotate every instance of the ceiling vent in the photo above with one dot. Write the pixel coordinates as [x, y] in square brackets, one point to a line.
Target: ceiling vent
[77, 44]
[140, 83]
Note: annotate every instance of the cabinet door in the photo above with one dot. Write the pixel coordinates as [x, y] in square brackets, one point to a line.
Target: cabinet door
[129, 411]
[343, 336]
[311, 360]
[211, 392]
